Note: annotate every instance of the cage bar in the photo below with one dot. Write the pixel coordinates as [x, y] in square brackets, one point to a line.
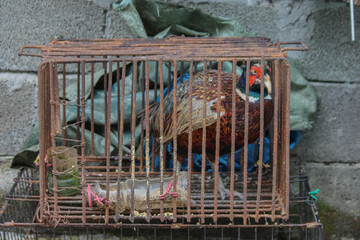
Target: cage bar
[261, 147]
[190, 160]
[246, 142]
[83, 160]
[129, 156]
[217, 147]
[203, 149]
[161, 153]
[133, 117]
[147, 151]
[174, 142]
[232, 156]
[52, 134]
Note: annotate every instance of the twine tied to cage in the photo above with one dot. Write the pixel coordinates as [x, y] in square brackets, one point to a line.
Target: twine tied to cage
[312, 197]
[37, 164]
[98, 199]
[174, 194]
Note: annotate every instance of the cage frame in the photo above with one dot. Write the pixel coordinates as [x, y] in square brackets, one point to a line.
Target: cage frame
[174, 49]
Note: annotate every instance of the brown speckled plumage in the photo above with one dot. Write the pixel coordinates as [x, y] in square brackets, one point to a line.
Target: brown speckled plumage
[182, 96]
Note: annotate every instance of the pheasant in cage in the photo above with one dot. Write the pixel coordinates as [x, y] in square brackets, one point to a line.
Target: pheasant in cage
[211, 80]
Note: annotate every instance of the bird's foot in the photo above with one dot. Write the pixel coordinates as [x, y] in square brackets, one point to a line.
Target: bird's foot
[221, 187]
[226, 192]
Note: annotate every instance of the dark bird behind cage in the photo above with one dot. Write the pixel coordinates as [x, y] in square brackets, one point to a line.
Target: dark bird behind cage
[211, 103]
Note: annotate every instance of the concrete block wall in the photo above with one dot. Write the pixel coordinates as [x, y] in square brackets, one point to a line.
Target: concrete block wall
[331, 149]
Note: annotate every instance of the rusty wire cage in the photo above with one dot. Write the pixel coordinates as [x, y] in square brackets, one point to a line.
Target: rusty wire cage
[17, 219]
[155, 65]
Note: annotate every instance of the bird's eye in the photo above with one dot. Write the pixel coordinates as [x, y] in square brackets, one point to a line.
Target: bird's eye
[254, 71]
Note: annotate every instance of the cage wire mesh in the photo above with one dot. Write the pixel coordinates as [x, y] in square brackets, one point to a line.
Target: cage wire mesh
[303, 223]
[119, 119]
[214, 112]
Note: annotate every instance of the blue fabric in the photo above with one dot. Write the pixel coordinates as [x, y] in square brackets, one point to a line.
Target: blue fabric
[295, 137]
[223, 160]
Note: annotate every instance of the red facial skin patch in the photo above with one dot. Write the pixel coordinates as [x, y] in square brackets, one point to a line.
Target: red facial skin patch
[255, 72]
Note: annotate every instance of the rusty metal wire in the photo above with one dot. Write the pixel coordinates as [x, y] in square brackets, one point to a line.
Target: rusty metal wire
[266, 196]
[17, 219]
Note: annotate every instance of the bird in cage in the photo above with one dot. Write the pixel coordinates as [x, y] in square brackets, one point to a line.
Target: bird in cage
[212, 98]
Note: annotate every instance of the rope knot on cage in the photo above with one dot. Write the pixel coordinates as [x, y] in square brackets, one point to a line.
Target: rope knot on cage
[174, 194]
[98, 199]
[37, 164]
[312, 198]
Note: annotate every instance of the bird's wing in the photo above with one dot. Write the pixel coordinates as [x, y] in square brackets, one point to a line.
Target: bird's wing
[197, 114]
[183, 109]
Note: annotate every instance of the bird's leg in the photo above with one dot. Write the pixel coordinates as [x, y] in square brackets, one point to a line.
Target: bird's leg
[179, 160]
[221, 187]
[178, 166]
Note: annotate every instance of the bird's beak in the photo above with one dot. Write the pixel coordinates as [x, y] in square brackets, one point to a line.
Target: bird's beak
[267, 83]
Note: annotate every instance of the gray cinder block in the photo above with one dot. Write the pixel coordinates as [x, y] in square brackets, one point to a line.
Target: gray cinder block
[18, 110]
[38, 22]
[335, 136]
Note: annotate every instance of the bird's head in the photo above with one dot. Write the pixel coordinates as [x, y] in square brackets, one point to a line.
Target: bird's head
[254, 82]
